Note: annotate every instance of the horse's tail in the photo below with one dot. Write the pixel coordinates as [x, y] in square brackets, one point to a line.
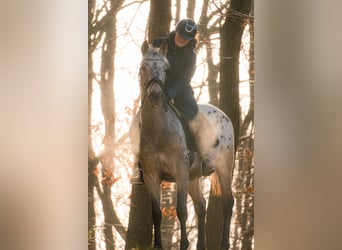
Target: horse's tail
[215, 185]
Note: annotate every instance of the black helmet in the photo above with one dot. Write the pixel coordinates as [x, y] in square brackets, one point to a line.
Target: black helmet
[187, 29]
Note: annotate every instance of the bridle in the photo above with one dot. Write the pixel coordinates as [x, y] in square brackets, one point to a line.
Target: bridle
[146, 86]
[150, 84]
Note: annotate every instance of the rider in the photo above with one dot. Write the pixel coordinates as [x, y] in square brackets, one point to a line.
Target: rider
[182, 59]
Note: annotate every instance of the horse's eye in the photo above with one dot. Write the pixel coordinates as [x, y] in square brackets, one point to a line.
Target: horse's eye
[142, 69]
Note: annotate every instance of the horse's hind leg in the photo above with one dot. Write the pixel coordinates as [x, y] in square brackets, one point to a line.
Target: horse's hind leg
[225, 179]
[227, 207]
[154, 189]
[199, 205]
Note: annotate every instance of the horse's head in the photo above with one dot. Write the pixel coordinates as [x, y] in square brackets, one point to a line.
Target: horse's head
[153, 70]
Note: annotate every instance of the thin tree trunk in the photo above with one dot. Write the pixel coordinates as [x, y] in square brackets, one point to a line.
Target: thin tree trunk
[244, 196]
[250, 115]
[108, 110]
[247, 242]
[91, 207]
[159, 19]
[168, 203]
[178, 9]
[214, 222]
[190, 9]
[213, 69]
[139, 232]
[92, 161]
[231, 34]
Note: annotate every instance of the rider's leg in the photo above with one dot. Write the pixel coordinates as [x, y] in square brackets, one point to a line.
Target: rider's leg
[199, 126]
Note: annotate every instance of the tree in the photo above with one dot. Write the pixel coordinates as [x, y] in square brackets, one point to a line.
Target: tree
[229, 100]
[231, 34]
[92, 160]
[97, 29]
[244, 185]
[190, 9]
[205, 40]
[139, 231]
[159, 19]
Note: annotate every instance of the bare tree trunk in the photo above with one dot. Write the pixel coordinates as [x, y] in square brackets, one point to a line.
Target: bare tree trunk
[168, 203]
[248, 235]
[190, 9]
[178, 9]
[213, 69]
[231, 34]
[107, 105]
[91, 208]
[92, 161]
[139, 233]
[250, 115]
[108, 110]
[244, 196]
[159, 19]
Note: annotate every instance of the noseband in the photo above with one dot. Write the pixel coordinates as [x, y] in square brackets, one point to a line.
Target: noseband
[150, 84]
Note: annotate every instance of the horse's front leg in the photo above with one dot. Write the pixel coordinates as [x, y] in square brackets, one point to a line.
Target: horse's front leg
[199, 205]
[154, 188]
[182, 181]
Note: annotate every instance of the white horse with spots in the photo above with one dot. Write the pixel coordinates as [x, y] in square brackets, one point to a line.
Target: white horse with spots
[159, 143]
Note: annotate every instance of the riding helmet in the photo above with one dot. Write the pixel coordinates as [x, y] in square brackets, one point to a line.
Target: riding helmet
[187, 29]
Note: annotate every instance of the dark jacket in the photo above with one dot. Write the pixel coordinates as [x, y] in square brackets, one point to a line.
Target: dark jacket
[182, 67]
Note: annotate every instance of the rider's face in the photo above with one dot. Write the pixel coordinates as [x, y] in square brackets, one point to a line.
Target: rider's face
[180, 41]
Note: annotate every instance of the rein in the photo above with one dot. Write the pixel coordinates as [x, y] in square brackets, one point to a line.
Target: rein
[155, 80]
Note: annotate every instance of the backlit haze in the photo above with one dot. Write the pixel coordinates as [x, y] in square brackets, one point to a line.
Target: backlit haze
[131, 32]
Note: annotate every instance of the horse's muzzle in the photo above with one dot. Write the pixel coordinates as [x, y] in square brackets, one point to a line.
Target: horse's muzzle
[156, 97]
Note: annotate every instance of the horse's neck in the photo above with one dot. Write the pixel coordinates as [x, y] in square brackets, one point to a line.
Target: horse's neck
[157, 119]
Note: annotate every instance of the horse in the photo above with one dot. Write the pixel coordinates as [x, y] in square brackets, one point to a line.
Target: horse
[163, 152]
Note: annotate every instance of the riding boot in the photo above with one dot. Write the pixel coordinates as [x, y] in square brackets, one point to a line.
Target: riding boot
[205, 138]
[137, 177]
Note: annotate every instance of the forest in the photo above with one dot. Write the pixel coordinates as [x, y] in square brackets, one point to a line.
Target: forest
[119, 213]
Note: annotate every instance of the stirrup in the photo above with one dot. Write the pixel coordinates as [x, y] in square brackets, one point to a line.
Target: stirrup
[138, 177]
[137, 181]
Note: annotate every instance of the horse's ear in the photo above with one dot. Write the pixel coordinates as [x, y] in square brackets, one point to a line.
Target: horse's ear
[144, 47]
[163, 48]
